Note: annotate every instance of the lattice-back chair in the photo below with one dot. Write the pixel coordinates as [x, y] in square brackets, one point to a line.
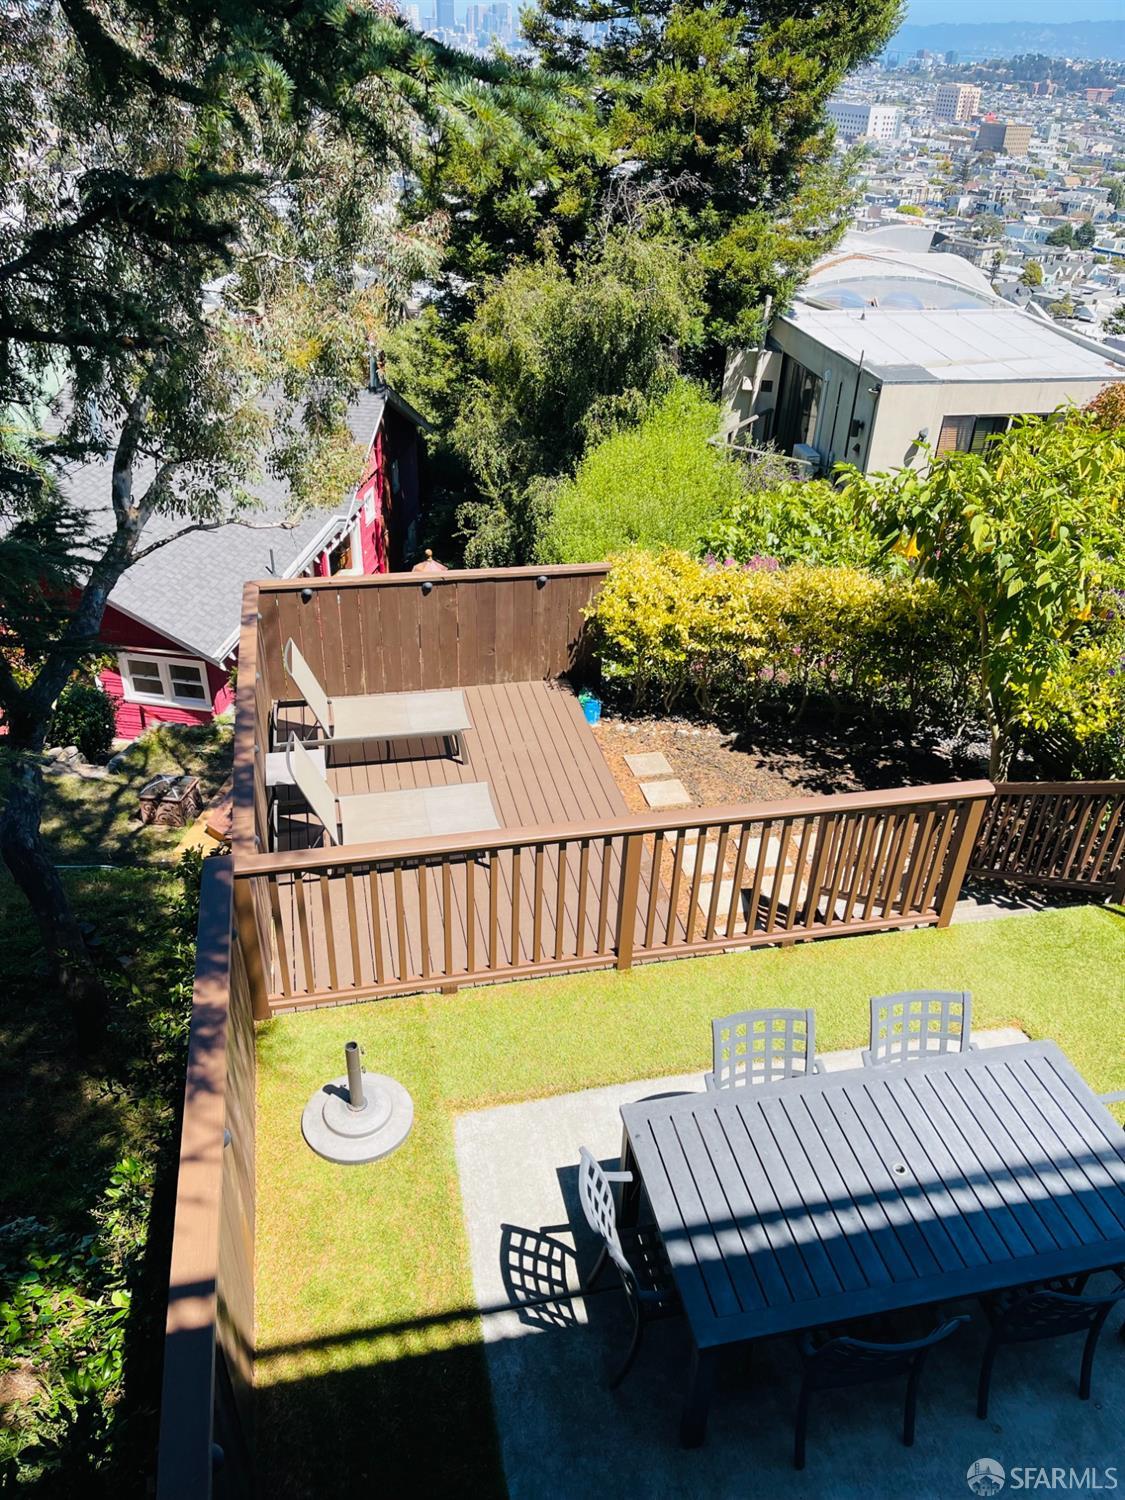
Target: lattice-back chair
[637, 1253]
[761, 1046]
[1028, 1314]
[917, 1024]
[831, 1362]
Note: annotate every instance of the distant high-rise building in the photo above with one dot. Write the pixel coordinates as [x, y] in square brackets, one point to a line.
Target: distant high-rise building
[852, 118]
[1008, 137]
[446, 19]
[1098, 96]
[950, 58]
[956, 102]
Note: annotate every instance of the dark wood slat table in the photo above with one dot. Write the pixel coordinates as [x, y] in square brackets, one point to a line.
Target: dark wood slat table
[814, 1200]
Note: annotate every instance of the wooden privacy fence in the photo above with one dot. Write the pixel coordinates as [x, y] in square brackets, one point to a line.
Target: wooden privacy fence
[385, 919]
[209, 1331]
[1069, 835]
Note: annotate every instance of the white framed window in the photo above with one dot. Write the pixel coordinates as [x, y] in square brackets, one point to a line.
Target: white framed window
[164, 679]
[369, 506]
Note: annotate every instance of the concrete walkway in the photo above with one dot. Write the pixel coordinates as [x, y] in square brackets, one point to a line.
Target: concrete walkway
[549, 1351]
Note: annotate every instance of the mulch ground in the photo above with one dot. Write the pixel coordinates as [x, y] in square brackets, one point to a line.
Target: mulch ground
[720, 767]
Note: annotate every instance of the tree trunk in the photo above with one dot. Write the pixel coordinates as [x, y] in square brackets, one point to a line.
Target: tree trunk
[21, 845]
[28, 714]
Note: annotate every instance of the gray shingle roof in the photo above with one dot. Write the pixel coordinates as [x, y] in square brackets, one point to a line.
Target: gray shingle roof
[191, 590]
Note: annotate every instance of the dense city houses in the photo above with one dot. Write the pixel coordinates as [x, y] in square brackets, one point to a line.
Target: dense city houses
[1017, 167]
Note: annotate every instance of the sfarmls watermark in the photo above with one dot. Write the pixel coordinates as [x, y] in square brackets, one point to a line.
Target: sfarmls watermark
[987, 1476]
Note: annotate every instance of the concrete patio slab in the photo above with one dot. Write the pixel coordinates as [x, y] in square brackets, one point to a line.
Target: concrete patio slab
[665, 793]
[549, 1351]
[651, 763]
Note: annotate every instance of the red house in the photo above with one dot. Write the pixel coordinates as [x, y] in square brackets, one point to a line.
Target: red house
[172, 621]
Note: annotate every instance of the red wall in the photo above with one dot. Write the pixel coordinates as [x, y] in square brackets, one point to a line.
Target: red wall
[120, 633]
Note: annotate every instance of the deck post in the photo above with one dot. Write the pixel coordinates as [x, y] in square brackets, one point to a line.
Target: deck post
[957, 860]
[250, 942]
[627, 898]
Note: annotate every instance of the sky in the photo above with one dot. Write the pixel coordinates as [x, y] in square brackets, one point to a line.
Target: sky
[930, 12]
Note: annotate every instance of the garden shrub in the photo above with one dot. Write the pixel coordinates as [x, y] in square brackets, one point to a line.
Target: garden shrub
[84, 716]
[796, 521]
[1077, 721]
[671, 631]
[657, 484]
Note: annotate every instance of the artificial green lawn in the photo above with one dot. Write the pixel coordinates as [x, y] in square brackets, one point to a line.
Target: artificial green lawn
[370, 1365]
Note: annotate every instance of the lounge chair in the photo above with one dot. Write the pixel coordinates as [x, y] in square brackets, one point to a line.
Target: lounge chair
[373, 817]
[380, 716]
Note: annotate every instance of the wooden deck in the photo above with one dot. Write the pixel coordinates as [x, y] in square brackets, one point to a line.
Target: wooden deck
[375, 929]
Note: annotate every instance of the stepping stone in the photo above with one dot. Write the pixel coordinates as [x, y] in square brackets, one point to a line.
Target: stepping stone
[710, 857]
[665, 794]
[650, 764]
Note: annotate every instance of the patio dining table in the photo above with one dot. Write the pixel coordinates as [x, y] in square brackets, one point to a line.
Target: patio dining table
[830, 1197]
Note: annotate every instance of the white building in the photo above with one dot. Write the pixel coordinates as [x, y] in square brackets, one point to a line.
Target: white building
[854, 119]
[956, 102]
[887, 353]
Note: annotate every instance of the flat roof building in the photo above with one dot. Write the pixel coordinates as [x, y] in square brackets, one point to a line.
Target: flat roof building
[956, 102]
[1006, 137]
[856, 120]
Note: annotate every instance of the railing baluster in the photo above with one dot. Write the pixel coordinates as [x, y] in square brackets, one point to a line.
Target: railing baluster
[603, 896]
[303, 931]
[759, 875]
[493, 909]
[376, 923]
[560, 900]
[517, 904]
[674, 889]
[736, 883]
[424, 917]
[779, 872]
[400, 925]
[717, 880]
[448, 916]
[654, 886]
[329, 928]
[353, 928]
[537, 908]
[696, 881]
[279, 937]
[470, 915]
[798, 872]
[583, 886]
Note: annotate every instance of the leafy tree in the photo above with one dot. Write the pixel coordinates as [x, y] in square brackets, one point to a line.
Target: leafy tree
[1116, 187]
[1085, 235]
[796, 521]
[1063, 235]
[1032, 274]
[551, 360]
[657, 484]
[187, 219]
[1115, 323]
[1063, 308]
[718, 110]
[988, 227]
[1023, 538]
[915, 210]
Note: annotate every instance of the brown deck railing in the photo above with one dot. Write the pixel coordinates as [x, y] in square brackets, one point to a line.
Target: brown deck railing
[384, 919]
[209, 1341]
[1067, 835]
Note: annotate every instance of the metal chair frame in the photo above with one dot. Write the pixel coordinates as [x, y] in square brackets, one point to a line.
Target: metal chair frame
[645, 1275]
[916, 1024]
[761, 1046]
[1046, 1312]
[842, 1361]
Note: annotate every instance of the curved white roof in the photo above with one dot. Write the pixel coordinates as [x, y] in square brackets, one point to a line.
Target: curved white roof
[923, 278]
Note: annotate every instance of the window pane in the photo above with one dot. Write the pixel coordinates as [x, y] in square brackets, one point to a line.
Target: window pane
[987, 427]
[145, 677]
[187, 682]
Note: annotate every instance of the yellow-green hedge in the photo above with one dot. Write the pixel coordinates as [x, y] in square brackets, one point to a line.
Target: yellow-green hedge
[672, 631]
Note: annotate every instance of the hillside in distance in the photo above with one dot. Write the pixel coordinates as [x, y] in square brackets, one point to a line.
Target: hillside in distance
[1077, 39]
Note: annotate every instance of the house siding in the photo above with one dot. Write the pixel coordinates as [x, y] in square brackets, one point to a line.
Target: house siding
[120, 633]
